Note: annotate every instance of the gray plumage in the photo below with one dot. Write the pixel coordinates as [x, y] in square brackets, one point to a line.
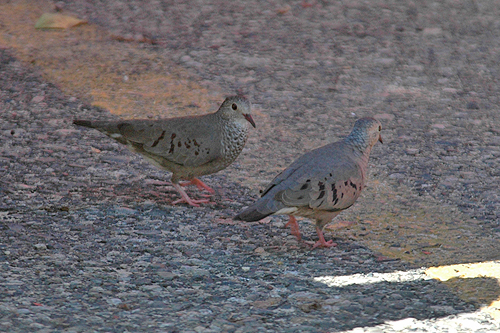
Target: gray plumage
[188, 147]
[321, 183]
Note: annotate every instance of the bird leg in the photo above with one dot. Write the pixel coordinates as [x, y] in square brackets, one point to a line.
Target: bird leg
[294, 227]
[201, 185]
[185, 197]
[322, 242]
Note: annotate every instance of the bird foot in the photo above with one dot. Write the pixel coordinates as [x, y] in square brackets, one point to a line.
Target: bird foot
[199, 184]
[322, 242]
[192, 202]
[330, 243]
[186, 199]
[294, 227]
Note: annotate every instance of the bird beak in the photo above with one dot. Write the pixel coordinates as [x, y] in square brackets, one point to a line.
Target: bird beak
[250, 119]
[380, 138]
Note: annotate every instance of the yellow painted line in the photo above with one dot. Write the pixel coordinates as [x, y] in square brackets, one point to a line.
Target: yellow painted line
[478, 283]
[89, 63]
[454, 277]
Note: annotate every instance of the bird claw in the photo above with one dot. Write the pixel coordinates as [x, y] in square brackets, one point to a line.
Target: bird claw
[192, 202]
[186, 199]
[330, 243]
[322, 242]
[199, 184]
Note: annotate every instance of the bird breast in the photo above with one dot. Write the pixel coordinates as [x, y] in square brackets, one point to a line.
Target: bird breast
[233, 141]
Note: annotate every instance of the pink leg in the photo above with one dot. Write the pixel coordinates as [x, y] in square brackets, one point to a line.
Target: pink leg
[322, 242]
[186, 198]
[201, 185]
[294, 227]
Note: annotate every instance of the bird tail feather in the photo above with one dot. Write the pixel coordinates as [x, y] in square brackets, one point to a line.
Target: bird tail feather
[84, 123]
[251, 214]
[260, 209]
[107, 127]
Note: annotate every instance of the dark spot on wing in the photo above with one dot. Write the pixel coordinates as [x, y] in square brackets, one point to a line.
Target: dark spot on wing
[162, 136]
[195, 143]
[303, 187]
[334, 193]
[354, 186]
[346, 183]
[321, 194]
[321, 186]
[179, 144]
[172, 144]
[300, 198]
[120, 126]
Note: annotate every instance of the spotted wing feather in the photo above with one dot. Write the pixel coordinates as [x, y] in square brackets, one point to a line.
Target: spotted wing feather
[171, 139]
[325, 179]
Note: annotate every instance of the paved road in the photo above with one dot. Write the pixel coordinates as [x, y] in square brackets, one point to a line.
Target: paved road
[90, 242]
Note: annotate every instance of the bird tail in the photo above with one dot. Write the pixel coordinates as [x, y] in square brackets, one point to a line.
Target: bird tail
[84, 123]
[260, 209]
[107, 127]
[251, 214]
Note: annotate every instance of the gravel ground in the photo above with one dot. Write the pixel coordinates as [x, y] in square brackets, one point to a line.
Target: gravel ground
[89, 241]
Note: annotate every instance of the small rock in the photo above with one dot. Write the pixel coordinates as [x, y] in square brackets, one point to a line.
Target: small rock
[396, 176]
[260, 250]
[432, 31]
[114, 301]
[412, 151]
[472, 105]
[38, 99]
[40, 247]
[168, 276]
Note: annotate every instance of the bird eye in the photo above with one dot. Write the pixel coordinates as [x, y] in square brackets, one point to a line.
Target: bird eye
[234, 107]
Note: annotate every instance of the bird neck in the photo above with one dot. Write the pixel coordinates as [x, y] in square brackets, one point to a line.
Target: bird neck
[358, 142]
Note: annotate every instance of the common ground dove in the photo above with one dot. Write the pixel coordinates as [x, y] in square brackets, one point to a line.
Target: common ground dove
[321, 183]
[188, 147]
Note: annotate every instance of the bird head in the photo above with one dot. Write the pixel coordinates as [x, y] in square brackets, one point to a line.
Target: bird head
[367, 130]
[236, 108]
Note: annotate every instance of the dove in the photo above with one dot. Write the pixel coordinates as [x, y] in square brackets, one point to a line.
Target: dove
[189, 147]
[321, 183]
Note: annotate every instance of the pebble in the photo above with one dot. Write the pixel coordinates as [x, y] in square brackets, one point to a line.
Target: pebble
[40, 247]
[37, 99]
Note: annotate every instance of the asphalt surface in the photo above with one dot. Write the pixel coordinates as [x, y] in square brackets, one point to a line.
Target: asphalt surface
[90, 241]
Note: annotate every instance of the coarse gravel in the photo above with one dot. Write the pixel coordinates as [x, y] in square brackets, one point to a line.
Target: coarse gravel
[89, 241]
